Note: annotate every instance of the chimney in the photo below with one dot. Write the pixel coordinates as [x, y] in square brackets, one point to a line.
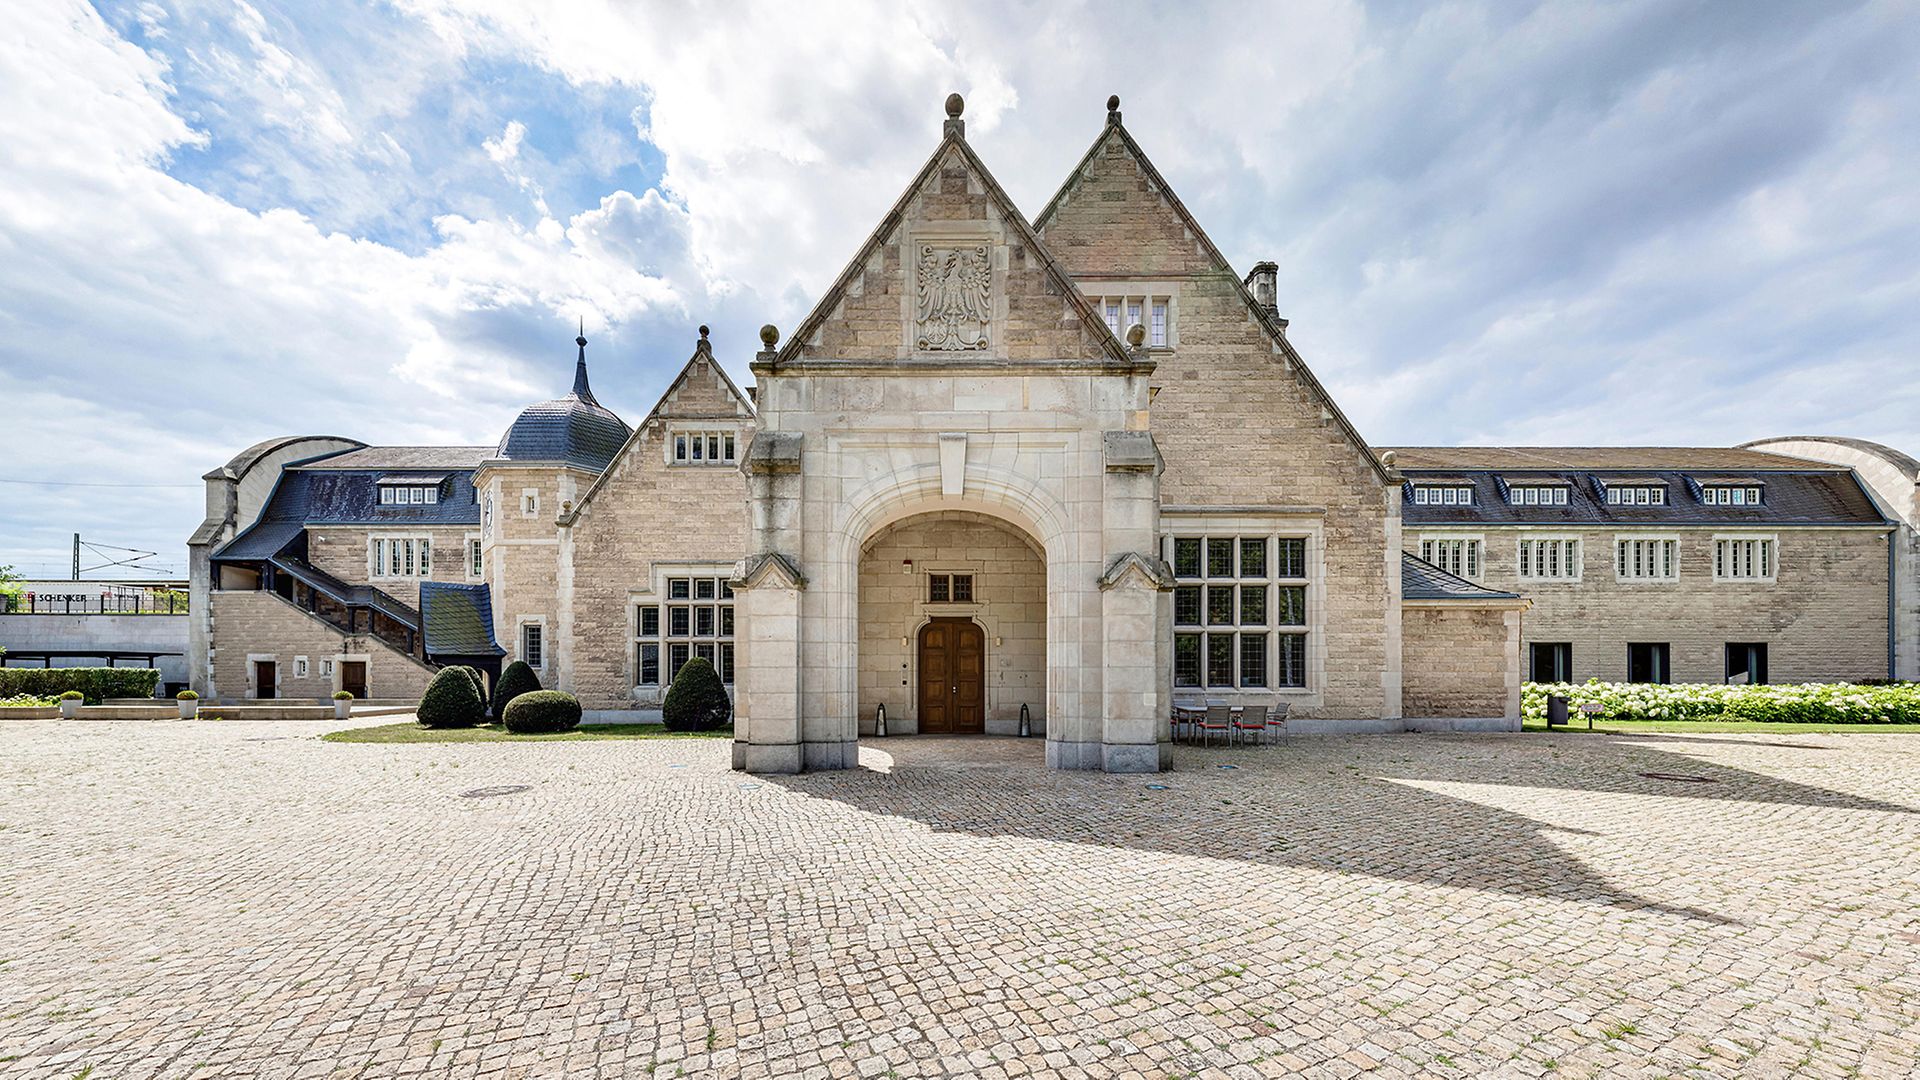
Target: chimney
[1261, 283]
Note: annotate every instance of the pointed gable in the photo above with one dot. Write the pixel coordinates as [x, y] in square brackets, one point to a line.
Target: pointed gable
[702, 391]
[1117, 218]
[953, 273]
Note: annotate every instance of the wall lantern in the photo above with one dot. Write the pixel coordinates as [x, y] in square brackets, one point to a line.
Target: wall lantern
[906, 566]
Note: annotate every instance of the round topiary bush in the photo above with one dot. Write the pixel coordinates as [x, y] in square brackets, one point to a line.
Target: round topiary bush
[697, 700]
[541, 712]
[451, 701]
[516, 680]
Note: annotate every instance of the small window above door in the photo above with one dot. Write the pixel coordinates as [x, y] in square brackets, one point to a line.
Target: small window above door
[949, 588]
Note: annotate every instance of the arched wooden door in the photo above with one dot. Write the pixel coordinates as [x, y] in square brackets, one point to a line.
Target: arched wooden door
[953, 678]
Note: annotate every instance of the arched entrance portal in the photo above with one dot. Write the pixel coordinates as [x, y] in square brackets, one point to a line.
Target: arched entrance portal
[952, 625]
[953, 677]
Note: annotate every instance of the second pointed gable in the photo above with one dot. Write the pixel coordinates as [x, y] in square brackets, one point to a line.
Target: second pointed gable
[953, 272]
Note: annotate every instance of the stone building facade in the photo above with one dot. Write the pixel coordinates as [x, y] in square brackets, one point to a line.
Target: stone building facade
[1067, 468]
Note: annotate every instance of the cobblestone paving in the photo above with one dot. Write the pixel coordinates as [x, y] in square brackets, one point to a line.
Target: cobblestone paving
[241, 899]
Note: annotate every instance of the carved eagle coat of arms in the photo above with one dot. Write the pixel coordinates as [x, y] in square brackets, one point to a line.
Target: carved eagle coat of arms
[954, 297]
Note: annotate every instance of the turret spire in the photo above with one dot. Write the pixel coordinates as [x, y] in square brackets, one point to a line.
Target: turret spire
[580, 388]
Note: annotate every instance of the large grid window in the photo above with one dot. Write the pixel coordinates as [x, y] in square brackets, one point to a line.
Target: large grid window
[1736, 559]
[1647, 559]
[1457, 555]
[1239, 611]
[696, 620]
[1550, 560]
[400, 556]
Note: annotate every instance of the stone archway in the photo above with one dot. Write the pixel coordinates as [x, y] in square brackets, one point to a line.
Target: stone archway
[947, 565]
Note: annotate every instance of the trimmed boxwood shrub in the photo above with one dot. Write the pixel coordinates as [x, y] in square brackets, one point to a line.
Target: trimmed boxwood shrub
[451, 701]
[516, 680]
[94, 683]
[541, 712]
[697, 700]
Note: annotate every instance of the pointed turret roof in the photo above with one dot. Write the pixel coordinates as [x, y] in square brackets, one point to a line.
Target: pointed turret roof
[574, 430]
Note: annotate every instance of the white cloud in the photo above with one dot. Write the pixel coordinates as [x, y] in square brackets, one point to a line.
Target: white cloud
[1564, 222]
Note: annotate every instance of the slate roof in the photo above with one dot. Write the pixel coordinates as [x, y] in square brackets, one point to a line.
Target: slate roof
[1798, 491]
[1593, 458]
[323, 493]
[457, 620]
[439, 458]
[1421, 580]
[575, 429]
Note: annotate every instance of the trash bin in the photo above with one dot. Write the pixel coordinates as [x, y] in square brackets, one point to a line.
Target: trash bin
[1556, 710]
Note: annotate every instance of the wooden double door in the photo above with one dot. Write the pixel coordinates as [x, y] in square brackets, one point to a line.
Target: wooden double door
[953, 678]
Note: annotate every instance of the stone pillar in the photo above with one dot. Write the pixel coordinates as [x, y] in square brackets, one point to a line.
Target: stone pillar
[1136, 611]
[766, 732]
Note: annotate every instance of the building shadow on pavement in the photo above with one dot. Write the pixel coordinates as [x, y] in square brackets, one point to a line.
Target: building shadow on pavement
[1308, 804]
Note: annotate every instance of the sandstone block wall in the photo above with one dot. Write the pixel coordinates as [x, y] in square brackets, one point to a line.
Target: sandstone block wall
[1460, 662]
[646, 513]
[1236, 421]
[1010, 604]
[261, 623]
[1824, 618]
[342, 551]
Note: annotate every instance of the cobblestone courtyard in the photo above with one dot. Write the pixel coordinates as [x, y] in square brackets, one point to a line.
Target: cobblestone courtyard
[200, 899]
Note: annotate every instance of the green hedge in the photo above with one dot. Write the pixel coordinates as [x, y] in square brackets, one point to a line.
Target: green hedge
[1786, 703]
[96, 683]
[541, 712]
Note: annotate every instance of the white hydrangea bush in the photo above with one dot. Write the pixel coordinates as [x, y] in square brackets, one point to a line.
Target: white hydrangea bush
[1787, 703]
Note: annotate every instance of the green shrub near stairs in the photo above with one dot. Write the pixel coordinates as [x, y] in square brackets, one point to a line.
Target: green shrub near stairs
[517, 679]
[697, 700]
[451, 701]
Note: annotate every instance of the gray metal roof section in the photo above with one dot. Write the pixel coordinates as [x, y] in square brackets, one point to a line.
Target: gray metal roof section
[385, 458]
[457, 620]
[1594, 458]
[306, 496]
[574, 430]
[1899, 459]
[1421, 580]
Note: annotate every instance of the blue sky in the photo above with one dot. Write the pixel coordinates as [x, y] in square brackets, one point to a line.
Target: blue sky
[1495, 222]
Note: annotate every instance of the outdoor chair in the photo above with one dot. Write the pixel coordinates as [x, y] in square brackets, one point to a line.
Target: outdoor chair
[1249, 723]
[1187, 715]
[1277, 717]
[1217, 718]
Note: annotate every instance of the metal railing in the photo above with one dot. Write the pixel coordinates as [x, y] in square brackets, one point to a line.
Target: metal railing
[92, 603]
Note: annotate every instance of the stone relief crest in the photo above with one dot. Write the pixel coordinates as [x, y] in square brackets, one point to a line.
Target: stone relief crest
[954, 298]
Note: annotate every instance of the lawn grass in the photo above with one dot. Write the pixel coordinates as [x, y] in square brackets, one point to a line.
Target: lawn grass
[1577, 723]
[413, 733]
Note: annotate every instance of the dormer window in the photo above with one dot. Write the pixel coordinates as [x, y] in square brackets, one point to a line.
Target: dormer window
[1537, 495]
[1442, 495]
[701, 448]
[1636, 495]
[409, 491]
[1730, 495]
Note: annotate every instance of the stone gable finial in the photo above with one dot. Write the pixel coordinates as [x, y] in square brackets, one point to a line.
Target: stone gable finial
[1113, 109]
[703, 345]
[769, 343]
[956, 127]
